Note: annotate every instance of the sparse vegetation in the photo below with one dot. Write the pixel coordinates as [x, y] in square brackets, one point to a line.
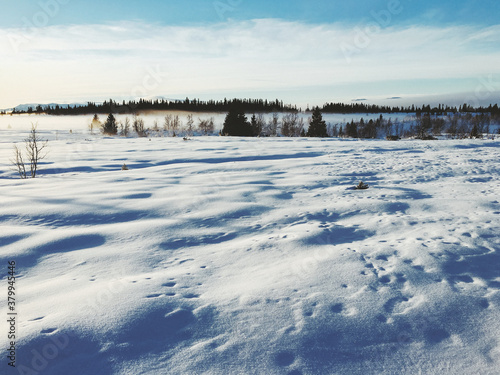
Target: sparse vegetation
[138, 125]
[206, 126]
[189, 125]
[35, 152]
[421, 125]
[125, 128]
[362, 186]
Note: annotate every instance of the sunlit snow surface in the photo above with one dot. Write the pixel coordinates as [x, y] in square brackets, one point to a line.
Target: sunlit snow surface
[254, 256]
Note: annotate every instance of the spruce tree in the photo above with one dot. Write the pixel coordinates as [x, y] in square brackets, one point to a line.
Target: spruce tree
[110, 127]
[317, 126]
[236, 123]
[255, 126]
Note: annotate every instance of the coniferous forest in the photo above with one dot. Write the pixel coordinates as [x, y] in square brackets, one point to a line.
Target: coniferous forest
[246, 105]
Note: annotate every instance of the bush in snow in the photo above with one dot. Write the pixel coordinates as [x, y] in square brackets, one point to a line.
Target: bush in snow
[362, 186]
[35, 152]
[110, 127]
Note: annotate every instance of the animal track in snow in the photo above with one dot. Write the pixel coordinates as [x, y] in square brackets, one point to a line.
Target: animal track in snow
[397, 305]
[337, 308]
[284, 359]
[154, 295]
[48, 331]
[191, 295]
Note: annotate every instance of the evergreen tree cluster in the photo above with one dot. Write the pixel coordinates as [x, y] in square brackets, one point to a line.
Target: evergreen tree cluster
[237, 124]
[194, 105]
[440, 110]
[248, 106]
[422, 126]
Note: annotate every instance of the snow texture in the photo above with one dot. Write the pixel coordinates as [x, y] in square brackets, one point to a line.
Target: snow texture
[254, 256]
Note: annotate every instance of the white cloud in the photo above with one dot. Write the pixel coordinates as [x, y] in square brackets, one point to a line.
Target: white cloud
[88, 61]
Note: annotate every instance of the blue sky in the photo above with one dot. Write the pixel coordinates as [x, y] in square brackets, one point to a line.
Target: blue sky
[485, 12]
[305, 52]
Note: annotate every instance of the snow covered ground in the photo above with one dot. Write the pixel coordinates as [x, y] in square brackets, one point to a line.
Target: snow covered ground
[253, 256]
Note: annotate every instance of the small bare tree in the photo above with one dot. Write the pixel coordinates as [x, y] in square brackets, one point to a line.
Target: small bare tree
[172, 124]
[291, 125]
[18, 162]
[35, 152]
[206, 126]
[125, 128]
[176, 124]
[167, 123]
[271, 128]
[189, 126]
[138, 125]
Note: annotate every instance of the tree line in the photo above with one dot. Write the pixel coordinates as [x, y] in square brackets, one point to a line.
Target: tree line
[237, 123]
[247, 105]
[143, 105]
[425, 126]
[171, 126]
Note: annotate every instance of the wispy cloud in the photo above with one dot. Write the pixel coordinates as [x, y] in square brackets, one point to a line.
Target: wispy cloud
[87, 61]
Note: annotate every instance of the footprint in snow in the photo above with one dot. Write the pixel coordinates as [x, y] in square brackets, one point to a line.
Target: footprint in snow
[385, 279]
[48, 331]
[191, 296]
[396, 304]
[337, 308]
[284, 359]
[484, 303]
[154, 295]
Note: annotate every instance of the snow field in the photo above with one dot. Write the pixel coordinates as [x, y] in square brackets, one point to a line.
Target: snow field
[256, 256]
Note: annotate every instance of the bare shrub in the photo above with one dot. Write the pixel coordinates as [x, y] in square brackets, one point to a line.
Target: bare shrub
[206, 126]
[35, 152]
[138, 125]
